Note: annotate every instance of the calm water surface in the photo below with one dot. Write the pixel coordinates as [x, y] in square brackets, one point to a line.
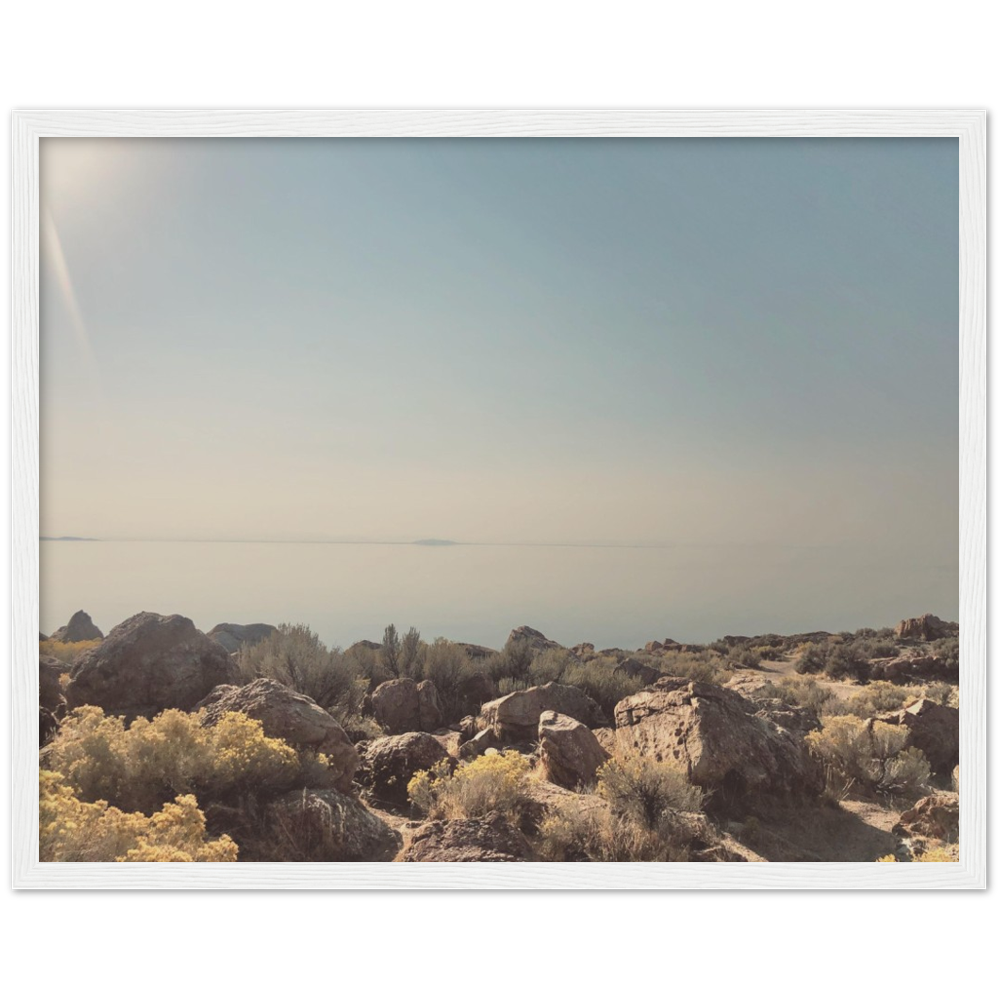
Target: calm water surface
[477, 593]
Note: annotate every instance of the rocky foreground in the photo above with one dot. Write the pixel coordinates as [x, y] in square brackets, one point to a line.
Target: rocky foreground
[256, 743]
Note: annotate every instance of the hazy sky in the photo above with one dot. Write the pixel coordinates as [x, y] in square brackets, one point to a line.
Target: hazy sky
[734, 341]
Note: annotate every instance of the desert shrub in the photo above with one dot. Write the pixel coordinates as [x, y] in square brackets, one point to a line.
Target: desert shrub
[881, 696]
[598, 680]
[642, 788]
[947, 650]
[744, 656]
[812, 658]
[140, 767]
[489, 783]
[942, 692]
[637, 817]
[508, 685]
[706, 666]
[806, 692]
[295, 657]
[551, 665]
[71, 830]
[847, 660]
[871, 756]
[933, 854]
[513, 661]
[449, 667]
[580, 831]
[67, 652]
[411, 654]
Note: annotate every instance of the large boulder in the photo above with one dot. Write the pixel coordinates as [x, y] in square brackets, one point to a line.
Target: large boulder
[934, 818]
[324, 825]
[933, 729]
[489, 839]
[80, 628]
[287, 715]
[730, 749]
[569, 753]
[533, 639]
[926, 627]
[388, 764]
[514, 717]
[429, 707]
[231, 637]
[637, 670]
[404, 706]
[147, 664]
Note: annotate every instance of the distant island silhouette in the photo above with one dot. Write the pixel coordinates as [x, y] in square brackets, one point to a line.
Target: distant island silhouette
[435, 541]
[66, 538]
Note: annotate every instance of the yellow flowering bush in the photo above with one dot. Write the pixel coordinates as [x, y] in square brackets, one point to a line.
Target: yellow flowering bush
[933, 854]
[71, 830]
[489, 783]
[141, 766]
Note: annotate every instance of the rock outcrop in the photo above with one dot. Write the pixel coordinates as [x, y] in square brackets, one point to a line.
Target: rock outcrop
[934, 818]
[388, 764]
[915, 669]
[735, 753]
[80, 628]
[324, 825]
[403, 705]
[489, 839]
[933, 729]
[569, 753]
[147, 664]
[287, 715]
[533, 639]
[514, 717]
[231, 637]
[926, 627]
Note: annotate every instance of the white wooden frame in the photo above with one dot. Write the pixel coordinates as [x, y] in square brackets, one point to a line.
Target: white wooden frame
[969, 127]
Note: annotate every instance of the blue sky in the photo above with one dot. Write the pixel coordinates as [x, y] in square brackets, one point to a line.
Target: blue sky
[734, 341]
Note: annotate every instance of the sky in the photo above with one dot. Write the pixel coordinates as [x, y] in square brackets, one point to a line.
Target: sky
[638, 341]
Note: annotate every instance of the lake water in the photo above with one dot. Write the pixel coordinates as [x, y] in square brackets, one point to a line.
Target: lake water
[478, 593]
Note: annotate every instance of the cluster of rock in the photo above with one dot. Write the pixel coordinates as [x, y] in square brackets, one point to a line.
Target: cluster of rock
[926, 628]
[740, 751]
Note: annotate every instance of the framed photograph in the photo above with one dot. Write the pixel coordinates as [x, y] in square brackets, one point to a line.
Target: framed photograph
[399, 493]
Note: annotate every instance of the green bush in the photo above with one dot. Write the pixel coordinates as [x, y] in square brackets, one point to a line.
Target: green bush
[71, 830]
[295, 657]
[149, 763]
